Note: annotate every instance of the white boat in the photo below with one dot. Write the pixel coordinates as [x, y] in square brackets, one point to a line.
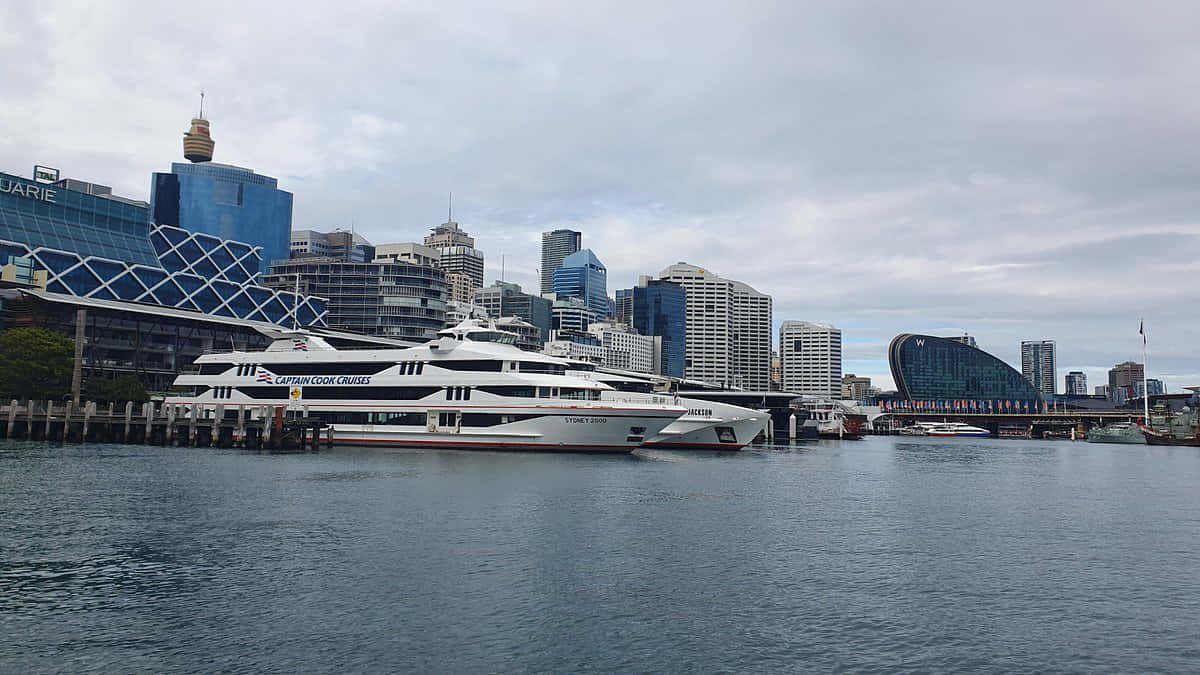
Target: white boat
[834, 419]
[956, 429]
[707, 425]
[471, 388]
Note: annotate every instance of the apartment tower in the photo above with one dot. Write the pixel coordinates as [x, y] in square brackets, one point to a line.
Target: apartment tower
[1038, 366]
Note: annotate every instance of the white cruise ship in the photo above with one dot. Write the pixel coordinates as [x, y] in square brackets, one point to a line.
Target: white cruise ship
[707, 425]
[471, 388]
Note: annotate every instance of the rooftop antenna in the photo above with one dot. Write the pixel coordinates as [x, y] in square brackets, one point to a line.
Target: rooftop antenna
[201, 104]
[450, 209]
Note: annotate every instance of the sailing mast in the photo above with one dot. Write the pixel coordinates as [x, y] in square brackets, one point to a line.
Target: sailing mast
[1145, 367]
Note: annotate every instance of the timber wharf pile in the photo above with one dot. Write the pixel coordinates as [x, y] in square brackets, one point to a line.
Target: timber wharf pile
[160, 423]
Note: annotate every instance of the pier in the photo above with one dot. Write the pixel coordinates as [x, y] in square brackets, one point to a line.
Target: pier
[1048, 424]
[159, 423]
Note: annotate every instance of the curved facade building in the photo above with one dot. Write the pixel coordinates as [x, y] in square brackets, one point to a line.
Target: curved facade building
[927, 368]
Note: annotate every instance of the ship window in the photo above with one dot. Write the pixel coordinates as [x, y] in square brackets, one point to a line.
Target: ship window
[475, 365]
[411, 419]
[580, 394]
[264, 392]
[342, 417]
[332, 368]
[508, 390]
[369, 393]
[489, 419]
[543, 368]
[214, 368]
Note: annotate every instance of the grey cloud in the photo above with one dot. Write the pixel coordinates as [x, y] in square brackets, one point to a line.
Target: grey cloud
[1019, 171]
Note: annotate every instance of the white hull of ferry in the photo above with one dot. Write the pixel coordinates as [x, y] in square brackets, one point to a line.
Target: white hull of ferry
[711, 426]
[577, 431]
[574, 427]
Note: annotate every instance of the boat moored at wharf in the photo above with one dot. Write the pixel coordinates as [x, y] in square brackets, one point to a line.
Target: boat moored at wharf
[707, 425]
[470, 388]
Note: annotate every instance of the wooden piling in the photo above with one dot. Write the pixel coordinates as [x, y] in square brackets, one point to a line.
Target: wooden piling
[191, 439]
[171, 424]
[239, 432]
[49, 418]
[68, 408]
[148, 409]
[88, 409]
[128, 420]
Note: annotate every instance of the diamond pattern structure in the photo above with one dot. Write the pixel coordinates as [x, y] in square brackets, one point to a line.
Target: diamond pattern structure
[197, 271]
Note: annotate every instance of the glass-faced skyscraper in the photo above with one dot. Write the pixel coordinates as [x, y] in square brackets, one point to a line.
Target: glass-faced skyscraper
[556, 246]
[228, 202]
[583, 276]
[660, 308]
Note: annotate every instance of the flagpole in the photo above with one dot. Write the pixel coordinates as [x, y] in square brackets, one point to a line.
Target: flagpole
[1145, 367]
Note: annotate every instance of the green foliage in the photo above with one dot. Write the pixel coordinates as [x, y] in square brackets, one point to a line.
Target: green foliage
[120, 390]
[35, 363]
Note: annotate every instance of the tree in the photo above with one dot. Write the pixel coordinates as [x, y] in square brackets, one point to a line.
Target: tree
[120, 390]
[35, 363]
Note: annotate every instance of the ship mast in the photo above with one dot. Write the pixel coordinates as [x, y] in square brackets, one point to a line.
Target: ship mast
[1145, 367]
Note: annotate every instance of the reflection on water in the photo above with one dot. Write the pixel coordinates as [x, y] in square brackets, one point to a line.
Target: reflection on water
[886, 553]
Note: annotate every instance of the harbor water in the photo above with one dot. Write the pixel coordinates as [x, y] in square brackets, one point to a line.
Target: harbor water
[891, 553]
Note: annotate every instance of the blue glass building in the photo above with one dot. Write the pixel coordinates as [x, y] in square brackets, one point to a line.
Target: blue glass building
[227, 202]
[660, 308]
[927, 368]
[583, 276]
[96, 245]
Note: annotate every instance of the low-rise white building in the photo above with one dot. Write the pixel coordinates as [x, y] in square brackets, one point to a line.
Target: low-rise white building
[625, 349]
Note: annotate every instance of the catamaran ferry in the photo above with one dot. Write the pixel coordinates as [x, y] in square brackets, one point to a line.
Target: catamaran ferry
[470, 388]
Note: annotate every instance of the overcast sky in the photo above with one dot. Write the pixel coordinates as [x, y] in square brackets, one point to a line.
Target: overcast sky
[1015, 171]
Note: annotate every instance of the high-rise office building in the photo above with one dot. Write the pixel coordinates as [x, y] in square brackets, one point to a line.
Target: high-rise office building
[222, 200]
[570, 315]
[506, 299]
[556, 246]
[856, 388]
[623, 306]
[411, 253]
[811, 356]
[1038, 365]
[340, 244]
[395, 300]
[728, 327]
[583, 276]
[1122, 379]
[659, 308]
[1076, 383]
[458, 252]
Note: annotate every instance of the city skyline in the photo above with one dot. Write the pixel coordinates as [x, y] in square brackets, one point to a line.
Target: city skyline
[936, 247]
